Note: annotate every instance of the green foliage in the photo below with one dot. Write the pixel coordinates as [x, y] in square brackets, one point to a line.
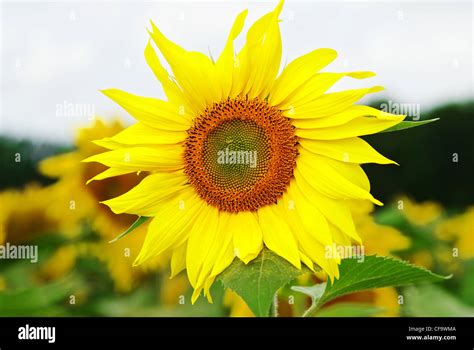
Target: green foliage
[433, 301]
[408, 125]
[141, 220]
[38, 301]
[349, 310]
[373, 272]
[259, 280]
[466, 288]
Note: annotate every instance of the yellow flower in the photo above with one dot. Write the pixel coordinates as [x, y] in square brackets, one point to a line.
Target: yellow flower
[421, 213]
[422, 258]
[449, 258]
[378, 239]
[60, 263]
[75, 202]
[3, 284]
[459, 229]
[241, 157]
[173, 290]
[23, 216]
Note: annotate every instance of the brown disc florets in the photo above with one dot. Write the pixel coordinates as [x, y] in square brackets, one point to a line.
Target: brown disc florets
[240, 154]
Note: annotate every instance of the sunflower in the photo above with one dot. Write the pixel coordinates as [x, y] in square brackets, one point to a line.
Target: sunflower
[378, 239]
[23, 216]
[459, 230]
[75, 203]
[241, 157]
[421, 214]
[61, 262]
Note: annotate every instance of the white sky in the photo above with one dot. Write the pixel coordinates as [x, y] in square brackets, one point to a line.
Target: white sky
[56, 53]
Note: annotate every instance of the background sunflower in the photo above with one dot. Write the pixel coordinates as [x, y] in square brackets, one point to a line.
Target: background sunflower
[76, 203]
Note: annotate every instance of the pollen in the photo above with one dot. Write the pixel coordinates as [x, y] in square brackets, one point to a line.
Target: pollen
[240, 154]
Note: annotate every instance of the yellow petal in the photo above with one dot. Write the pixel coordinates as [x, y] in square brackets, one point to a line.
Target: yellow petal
[328, 104]
[107, 143]
[277, 235]
[225, 63]
[111, 172]
[163, 158]
[334, 210]
[141, 134]
[340, 118]
[196, 294]
[171, 89]
[247, 236]
[352, 172]
[315, 86]
[356, 127]
[207, 287]
[352, 150]
[321, 173]
[201, 239]
[151, 111]
[169, 229]
[340, 238]
[219, 255]
[225, 257]
[194, 72]
[59, 165]
[150, 195]
[259, 60]
[307, 261]
[178, 260]
[308, 244]
[298, 72]
[310, 216]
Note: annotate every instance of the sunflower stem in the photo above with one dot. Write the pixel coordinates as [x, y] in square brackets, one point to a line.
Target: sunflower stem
[275, 305]
[311, 312]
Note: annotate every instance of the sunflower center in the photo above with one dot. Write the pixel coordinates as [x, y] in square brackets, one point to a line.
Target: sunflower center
[236, 154]
[240, 155]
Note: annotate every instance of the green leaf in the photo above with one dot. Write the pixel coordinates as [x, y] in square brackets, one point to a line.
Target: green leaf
[349, 310]
[132, 227]
[37, 300]
[466, 286]
[433, 301]
[259, 280]
[408, 124]
[372, 272]
[315, 292]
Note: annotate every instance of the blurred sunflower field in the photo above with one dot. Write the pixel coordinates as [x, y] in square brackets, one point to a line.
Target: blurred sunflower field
[47, 201]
